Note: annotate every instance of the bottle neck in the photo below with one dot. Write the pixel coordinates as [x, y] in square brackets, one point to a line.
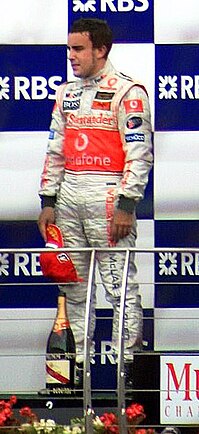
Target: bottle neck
[61, 320]
[61, 306]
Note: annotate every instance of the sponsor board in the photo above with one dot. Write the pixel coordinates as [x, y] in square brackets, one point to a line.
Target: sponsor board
[179, 396]
[29, 77]
[176, 273]
[138, 16]
[177, 87]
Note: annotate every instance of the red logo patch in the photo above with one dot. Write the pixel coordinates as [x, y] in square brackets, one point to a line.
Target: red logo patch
[133, 105]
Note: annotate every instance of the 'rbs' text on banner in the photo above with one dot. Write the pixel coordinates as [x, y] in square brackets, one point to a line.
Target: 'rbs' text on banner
[136, 14]
[28, 80]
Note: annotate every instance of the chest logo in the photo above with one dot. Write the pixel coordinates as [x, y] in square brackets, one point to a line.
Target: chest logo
[81, 142]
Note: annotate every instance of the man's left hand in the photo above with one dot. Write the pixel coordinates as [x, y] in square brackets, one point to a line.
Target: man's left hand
[121, 225]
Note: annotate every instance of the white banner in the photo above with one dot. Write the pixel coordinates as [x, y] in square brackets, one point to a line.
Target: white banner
[179, 385]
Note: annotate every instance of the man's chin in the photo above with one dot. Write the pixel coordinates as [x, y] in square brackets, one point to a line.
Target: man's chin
[76, 73]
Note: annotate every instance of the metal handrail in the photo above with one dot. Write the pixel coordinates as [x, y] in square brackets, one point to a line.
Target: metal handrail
[102, 249]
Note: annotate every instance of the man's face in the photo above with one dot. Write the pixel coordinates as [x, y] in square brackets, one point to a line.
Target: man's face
[85, 60]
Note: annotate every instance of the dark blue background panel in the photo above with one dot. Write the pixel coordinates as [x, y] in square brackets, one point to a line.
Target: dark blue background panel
[29, 76]
[177, 272]
[131, 21]
[177, 296]
[19, 234]
[177, 266]
[177, 233]
[177, 87]
[20, 271]
[28, 296]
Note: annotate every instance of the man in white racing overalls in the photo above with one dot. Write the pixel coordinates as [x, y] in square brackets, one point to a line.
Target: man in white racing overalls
[96, 169]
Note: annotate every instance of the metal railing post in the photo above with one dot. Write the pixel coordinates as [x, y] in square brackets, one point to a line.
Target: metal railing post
[88, 411]
[120, 367]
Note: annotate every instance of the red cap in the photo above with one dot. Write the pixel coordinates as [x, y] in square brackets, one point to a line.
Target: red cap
[54, 237]
[57, 266]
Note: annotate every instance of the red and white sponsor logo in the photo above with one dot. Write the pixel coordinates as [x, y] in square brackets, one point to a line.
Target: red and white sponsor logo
[110, 84]
[110, 199]
[89, 120]
[133, 105]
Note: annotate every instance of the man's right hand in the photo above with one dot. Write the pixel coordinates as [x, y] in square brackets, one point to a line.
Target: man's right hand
[46, 217]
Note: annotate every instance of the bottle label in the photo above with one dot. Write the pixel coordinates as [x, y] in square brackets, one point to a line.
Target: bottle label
[57, 371]
[61, 325]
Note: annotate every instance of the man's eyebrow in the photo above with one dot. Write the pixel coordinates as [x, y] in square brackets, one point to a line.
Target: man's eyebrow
[68, 47]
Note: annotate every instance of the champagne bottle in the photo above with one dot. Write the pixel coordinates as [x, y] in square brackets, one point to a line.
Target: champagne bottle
[60, 353]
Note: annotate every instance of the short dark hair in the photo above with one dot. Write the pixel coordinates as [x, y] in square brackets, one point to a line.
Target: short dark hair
[99, 31]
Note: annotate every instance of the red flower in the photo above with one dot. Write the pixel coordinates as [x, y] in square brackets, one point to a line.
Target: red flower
[7, 417]
[6, 412]
[108, 419]
[110, 423]
[134, 411]
[27, 412]
[13, 400]
[2, 419]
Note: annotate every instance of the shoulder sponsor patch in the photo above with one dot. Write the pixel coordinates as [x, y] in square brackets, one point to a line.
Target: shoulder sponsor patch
[135, 137]
[133, 105]
[133, 122]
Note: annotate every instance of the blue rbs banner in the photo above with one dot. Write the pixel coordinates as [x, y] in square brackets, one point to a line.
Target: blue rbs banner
[131, 21]
[29, 77]
[177, 87]
[176, 273]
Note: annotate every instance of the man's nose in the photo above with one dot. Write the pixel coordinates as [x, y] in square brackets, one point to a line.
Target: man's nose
[71, 54]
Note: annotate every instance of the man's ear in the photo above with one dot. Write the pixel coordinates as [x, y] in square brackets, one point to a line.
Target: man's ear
[102, 51]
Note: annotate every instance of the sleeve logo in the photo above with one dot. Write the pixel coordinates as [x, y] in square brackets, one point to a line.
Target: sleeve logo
[133, 105]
